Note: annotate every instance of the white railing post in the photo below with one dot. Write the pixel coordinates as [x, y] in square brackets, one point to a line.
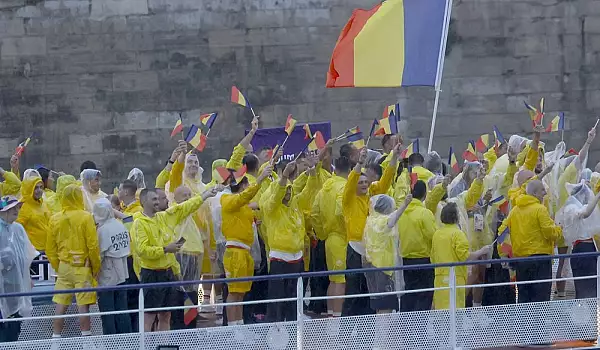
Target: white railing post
[300, 313]
[453, 308]
[141, 320]
[598, 299]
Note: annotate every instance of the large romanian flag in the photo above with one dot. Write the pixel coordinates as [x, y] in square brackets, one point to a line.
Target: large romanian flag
[396, 43]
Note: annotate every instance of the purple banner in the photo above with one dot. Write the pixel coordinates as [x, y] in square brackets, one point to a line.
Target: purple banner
[295, 144]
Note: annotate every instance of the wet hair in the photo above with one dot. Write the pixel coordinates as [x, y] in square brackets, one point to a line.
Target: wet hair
[376, 168]
[449, 214]
[45, 174]
[419, 191]
[88, 164]
[144, 194]
[251, 162]
[237, 187]
[346, 150]
[130, 186]
[342, 164]
[416, 158]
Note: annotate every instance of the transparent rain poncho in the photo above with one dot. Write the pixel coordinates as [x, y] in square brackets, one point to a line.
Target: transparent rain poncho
[89, 195]
[31, 173]
[137, 176]
[16, 255]
[114, 242]
[381, 241]
[570, 216]
[459, 184]
[434, 164]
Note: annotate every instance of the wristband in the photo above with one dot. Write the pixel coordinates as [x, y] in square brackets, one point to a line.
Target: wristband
[170, 161]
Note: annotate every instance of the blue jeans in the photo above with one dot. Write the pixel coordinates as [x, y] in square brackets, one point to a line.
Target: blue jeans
[114, 301]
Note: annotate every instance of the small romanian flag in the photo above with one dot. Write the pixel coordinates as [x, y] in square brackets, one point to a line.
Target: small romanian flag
[557, 124]
[470, 154]
[498, 135]
[396, 43]
[178, 127]
[195, 138]
[307, 134]
[389, 126]
[21, 147]
[453, 162]
[317, 142]
[190, 315]
[290, 124]
[238, 97]
[240, 174]
[502, 237]
[374, 127]
[411, 149]
[208, 119]
[535, 114]
[392, 110]
[483, 143]
[357, 139]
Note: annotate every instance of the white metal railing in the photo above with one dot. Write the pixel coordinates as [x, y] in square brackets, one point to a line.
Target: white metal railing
[452, 319]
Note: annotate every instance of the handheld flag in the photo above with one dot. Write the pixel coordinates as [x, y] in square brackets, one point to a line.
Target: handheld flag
[317, 142]
[483, 143]
[357, 140]
[223, 173]
[470, 154]
[498, 135]
[396, 43]
[453, 162]
[389, 126]
[178, 127]
[238, 97]
[557, 124]
[392, 110]
[374, 127]
[290, 124]
[195, 138]
[208, 119]
[502, 237]
[191, 314]
[21, 147]
[307, 134]
[411, 149]
[240, 174]
[535, 114]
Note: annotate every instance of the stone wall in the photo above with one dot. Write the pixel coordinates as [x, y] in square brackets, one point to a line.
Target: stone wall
[106, 79]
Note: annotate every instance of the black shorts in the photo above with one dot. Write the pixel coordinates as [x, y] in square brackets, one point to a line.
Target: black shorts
[162, 296]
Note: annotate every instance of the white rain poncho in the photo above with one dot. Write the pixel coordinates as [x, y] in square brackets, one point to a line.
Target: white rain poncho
[570, 216]
[16, 255]
[459, 185]
[380, 241]
[434, 164]
[114, 242]
[137, 176]
[89, 195]
[31, 173]
[517, 143]
[586, 175]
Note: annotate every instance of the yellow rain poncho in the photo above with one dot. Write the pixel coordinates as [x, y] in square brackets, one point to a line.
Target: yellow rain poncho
[34, 216]
[11, 185]
[54, 203]
[416, 228]
[90, 196]
[532, 231]
[73, 248]
[150, 235]
[449, 244]
[216, 178]
[380, 240]
[180, 176]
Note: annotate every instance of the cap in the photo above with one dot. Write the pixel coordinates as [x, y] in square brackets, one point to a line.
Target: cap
[8, 202]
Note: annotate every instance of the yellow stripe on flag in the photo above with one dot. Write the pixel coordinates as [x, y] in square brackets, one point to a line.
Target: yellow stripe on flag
[378, 54]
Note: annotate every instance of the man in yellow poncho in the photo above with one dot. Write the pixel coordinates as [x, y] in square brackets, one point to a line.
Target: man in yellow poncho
[127, 195]
[355, 207]
[450, 244]
[285, 217]
[10, 184]
[73, 250]
[34, 216]
[54, 203]
[155, 244]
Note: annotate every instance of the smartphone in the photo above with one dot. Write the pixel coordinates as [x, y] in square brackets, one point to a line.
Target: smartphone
[181, 240]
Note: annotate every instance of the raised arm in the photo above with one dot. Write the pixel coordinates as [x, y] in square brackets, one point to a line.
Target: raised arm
[589, 208]
[585, 149]
[383, 185]
[395, 216]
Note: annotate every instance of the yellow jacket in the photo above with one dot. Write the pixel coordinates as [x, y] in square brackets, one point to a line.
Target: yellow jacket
[72, 238]
[326, 214]
[416, 227]
[449, 244]
[401, 187]
[237, 217]
[356, 208]
[237, 156]
[491, 158]
[286, 222]
[150, 235]
[54, 203]
[423, 174]
[532, 231]
[162, 179]
[34, 215]
[133, 208]
[11, 186]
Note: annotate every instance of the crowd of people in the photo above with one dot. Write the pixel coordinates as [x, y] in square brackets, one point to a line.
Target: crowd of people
[262, 214]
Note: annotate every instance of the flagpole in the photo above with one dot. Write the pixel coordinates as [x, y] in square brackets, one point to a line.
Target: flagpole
[252, 110]
[562, 135]
[440, 70]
